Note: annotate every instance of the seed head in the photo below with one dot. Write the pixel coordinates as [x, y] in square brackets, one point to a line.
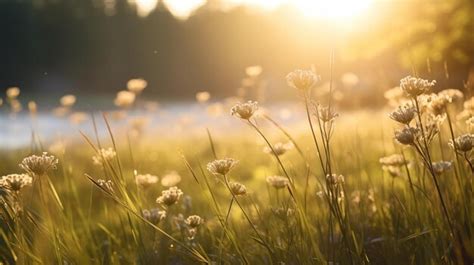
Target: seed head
[104, 155]
[221, 166]
[403, 114]
[463, 143]
[146, 180]
[106, 184]
[244, 110]
[302, 79]
[413, 86]
[39, 165]
[154, 215]
[171, 179]
[170, 196]
[15, 182]
[194, 221]
[406, 135]
[326, 114]
[237, 189]
[441, 167]
[279, 148]
[278, 182]
[335, 179]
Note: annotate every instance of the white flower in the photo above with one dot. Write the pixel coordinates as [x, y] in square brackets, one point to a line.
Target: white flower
[103, 156]
[221, 166]
[136, 85]
[277, 182]
[244, 110]
[15, 182]
[39, 165]
[194, 221]
[145, 180]
[170, 196]
[124, 99]
[302, 79]
[413, 86]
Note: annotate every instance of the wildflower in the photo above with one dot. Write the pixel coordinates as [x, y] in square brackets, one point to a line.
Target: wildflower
[282, 212]
[393, 160]
[67, 101]
[170, 179]
[221, 166]
[15, 182]
[170, 196]
[194, 221]
[441, 167]
[103, 156]
[39, 165]
[244, 110]
[108, 185]
[136, 85]
[145, 180]
[453, 95]
[335, 179]
[437, 104]
[13, 92]
[237, 189]
[302, 79]
[403, 114]
[414, 87]
[406, 135]
[463, 143]
[277, 182]
[154, 215]
[279, 148]
[326, 114]
[253, 71]
[124, 99]
[203, 96]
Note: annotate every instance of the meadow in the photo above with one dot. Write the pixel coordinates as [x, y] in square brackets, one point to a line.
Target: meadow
[385, 186]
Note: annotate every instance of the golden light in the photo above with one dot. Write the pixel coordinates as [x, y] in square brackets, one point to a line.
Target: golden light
[183, 8]
[331, 9]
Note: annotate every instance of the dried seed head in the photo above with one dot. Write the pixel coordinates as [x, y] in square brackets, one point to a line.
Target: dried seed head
[104, 155]
[146, 180]
[170, 196]
[302, 79]
[335, 179]
[413, 86]
[403, 114]
[244, 110]
[406, 135]
[463, 143]
[194, 221]
[237, 189]
[154, 215]
[108, 185]
[15, 182]
[278, 182]
[39, 165]
[221, 166]
[441, 167]
[395, 160]
[279, 148]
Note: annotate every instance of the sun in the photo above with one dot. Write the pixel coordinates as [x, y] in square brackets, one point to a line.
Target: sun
[331, 9]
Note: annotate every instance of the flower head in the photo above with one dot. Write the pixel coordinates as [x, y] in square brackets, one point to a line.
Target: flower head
[194, 221]
[441, 167]
[104, 155]
[171, 179]
[108, 185]
[278, 182]
[15, 182]
[244, 110]
[170, 196]
[146, 180]
[463, 143]
[154, 215]
[413, 86]
[237, 189]
[302, 79]
[403, 114]
[39, 165]
[221, 166]
[124, 99]
[279, 148]
[406, 135]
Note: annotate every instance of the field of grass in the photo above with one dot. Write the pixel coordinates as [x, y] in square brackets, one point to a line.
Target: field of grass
[360, 187]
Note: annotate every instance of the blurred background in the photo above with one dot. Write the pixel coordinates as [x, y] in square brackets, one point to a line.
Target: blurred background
[93, 47]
